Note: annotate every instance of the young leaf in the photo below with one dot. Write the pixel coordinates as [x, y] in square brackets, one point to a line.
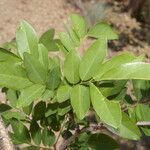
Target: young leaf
[43, 56]
[92, 59]
[35, 132]
[102, 31]
[135, 70]
[26, 39]
[37, 73]
[114, 62]
[128, 129]
[29, 94]
[63, 93]
[102, 141]
[13, 76]
[66, 41]
[108, 111]
[7, 56]
[47, 40]
[48, 137]
[80, 100]
[78, 24]
[71, 67]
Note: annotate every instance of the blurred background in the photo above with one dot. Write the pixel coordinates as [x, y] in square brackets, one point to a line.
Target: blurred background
[130, 18]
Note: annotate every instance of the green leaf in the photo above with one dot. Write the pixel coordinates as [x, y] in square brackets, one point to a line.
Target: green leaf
[39, 110]
[67, 42]
[103, 31]
[63, 93]
[7, 56]
[26, 39]
[31, 148]
[128, 129]
[29, 94]
[47, 95]
[54, 78]
[108, 111]
[92, 59]
[102, 141]
[20, 131]
[135, 70]
[12, 97]
[80, 100]
[141, 89]
[10, 46]
[142, 112]
[47, 40]
[4, 107]
[13, 114]
[43, 56]
[79, 25]
[35, 132]
[36, 72]
[48, 137]
[51, 109]
[71, 67]
[64, 108]
[111, 88]
[114, 62]
[74, 37]
[28, 109]
[13, 76]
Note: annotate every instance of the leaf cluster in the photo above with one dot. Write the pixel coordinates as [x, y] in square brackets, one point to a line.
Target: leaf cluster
[45, 95]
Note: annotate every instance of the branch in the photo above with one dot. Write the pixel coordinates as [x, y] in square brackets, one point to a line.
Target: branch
[5, 141]
[146, 101]
[143, 123]
[67, 142]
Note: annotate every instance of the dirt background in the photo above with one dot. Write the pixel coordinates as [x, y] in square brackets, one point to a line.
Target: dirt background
[41, 14]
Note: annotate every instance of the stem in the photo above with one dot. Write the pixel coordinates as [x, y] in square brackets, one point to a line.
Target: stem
[61, 129]
[67, 142]
[41, 147]
[135, 104]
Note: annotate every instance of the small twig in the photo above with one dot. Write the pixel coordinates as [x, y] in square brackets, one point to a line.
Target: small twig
[143, 123]
[41, 147]
[135, 104]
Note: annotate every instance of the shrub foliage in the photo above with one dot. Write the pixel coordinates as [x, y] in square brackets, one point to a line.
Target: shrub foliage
[80, 99]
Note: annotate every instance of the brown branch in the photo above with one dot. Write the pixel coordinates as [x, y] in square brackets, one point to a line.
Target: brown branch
[143, 123]
[92, 128]
[5, 142]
